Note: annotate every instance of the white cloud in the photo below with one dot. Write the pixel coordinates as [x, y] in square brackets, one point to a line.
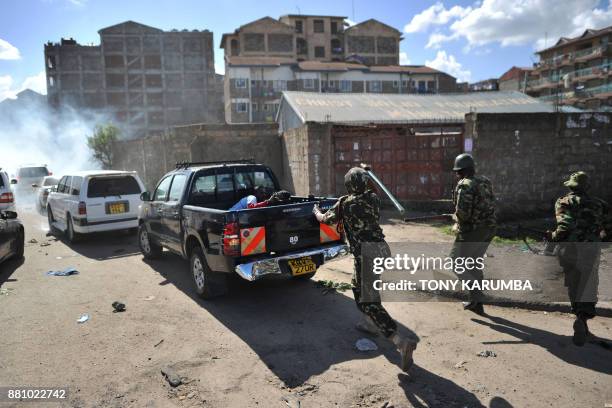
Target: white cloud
[349, 22]
[404, 60]
[435, 15]
[436, 40]
[450, 65]
[36, 83]
[513, 22]
[8, 51]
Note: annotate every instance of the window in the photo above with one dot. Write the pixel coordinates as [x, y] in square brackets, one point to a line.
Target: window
[318, 26]
[421, 86]
[302, 46]
[234, 47]
[279, 85]
[308, 83]
[395, 84]
[254, 83]
[241, 82]
[62, 184]
[66, 185]
[76, 185]
[49, 181]
[178, 184]
[113, 186]
[265, 107]
[319, 52]
[375, 86]
[51, 62]
[346, 86]
[51, 82]
[331, 83]
[404, 84]
[32, 172]
[241, 107]
[254, 107]
[203, 190]
[299, 26]
[334, 27]
[161, 191]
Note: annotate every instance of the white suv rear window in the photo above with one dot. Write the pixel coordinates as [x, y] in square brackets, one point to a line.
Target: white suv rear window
[112, 186]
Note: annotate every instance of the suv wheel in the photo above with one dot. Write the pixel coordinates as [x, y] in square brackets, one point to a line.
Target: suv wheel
[51, 220]
[70, 233]
[208, 284]
[149, 249]
[19, 245]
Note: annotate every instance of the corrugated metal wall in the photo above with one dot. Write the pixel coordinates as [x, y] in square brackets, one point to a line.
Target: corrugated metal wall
[414, 161]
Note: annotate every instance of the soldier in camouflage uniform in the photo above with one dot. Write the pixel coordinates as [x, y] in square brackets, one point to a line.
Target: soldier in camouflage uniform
[582, 222]
[475, 222]
[358, 214]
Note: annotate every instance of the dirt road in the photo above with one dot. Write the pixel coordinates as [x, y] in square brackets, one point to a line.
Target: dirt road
[268, 341]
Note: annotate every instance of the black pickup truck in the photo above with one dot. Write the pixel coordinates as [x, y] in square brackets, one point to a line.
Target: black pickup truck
[188, 213]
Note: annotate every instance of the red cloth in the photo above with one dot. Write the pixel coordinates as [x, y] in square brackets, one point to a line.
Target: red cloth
[259, 205]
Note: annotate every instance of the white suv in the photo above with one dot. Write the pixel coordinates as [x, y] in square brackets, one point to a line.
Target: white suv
[93, 201]
[7, 198]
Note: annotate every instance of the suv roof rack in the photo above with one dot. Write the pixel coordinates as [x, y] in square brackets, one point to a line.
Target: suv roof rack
[185, 164]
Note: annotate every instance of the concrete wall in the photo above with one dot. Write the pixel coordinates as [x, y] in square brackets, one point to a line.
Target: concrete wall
[528, 156]
[308, 163]
[154, 156]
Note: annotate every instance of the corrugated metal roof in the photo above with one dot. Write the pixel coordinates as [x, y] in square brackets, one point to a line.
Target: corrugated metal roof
[386, 108]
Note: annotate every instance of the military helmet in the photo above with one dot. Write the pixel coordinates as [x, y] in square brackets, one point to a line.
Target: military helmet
[464, 161]
[577, 181]
[356, 180]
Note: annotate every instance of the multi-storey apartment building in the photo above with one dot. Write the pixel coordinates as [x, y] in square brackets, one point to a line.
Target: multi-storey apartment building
[515, 79]
[315, 54]
[143, 78]
[576, 71]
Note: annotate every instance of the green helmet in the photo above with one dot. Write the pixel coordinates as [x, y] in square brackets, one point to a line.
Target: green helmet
[464, 161]
[356, 180]
[578, 181]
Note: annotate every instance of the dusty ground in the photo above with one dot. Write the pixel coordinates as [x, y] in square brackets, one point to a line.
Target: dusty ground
[272, 340]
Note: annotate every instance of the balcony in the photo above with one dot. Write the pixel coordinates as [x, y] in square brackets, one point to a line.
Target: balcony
[588, 53]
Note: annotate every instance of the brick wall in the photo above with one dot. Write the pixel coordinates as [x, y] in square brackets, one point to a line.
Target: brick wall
[528, 156]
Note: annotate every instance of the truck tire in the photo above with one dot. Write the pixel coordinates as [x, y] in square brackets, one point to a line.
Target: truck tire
[149, 249]
[208, 284]
[71, 234]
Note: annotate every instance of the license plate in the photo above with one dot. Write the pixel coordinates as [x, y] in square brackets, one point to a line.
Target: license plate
[302, 266]
[116, 208]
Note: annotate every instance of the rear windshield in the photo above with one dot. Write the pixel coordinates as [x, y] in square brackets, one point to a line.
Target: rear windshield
[50, 181]
[2, 179]
[33, 172]
[112, 186]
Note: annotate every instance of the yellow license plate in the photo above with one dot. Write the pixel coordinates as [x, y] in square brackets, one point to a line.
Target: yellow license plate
[117, 208]
[302, 266]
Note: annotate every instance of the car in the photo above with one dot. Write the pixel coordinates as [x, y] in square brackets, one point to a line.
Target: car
[27, 175]
[7, 198]
[189, 213]
[12, 236]
[94, 201]
[48, 184]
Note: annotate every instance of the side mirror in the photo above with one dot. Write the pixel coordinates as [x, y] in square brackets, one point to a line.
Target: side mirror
[13, 181]
[9, 215]
[34, 185]
[54, 189]
[145, 196]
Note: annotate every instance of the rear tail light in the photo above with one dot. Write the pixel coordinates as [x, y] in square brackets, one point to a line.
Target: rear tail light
[231, 240]
[7, 198]
[50, 173]
[82, 208]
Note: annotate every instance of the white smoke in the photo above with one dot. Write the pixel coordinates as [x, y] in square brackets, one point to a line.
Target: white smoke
[32, 133]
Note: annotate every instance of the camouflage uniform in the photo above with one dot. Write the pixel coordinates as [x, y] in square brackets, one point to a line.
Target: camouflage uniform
[358, 213]
[475, 223]
[580, 221]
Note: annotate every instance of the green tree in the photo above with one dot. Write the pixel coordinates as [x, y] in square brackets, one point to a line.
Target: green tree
[101, 144]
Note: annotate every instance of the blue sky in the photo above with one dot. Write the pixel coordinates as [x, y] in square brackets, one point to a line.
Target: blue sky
[470, 40]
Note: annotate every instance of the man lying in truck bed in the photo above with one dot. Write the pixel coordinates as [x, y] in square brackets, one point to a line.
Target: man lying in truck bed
[188, 213]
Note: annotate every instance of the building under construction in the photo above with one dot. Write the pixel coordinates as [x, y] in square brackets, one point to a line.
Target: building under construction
[143, 78]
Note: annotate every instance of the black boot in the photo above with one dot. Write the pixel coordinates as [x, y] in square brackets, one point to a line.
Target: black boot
[475, 307]
[580, 332]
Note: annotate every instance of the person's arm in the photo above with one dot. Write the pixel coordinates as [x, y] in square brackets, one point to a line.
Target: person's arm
[465, 204]
[565, 221]
[330, 216]
[259, 205]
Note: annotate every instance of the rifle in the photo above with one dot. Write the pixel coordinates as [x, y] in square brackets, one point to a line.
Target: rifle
[437, 217]
[550, 248]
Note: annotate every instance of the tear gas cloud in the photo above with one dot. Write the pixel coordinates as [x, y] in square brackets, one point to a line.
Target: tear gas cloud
[32, 133]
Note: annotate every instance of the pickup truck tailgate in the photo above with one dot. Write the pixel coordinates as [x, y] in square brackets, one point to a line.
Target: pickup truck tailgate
[284, 228]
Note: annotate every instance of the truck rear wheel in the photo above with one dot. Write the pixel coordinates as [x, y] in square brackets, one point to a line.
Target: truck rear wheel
[208, 284]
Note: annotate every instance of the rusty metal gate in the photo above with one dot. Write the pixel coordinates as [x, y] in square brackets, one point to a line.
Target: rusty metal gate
[414, 161]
